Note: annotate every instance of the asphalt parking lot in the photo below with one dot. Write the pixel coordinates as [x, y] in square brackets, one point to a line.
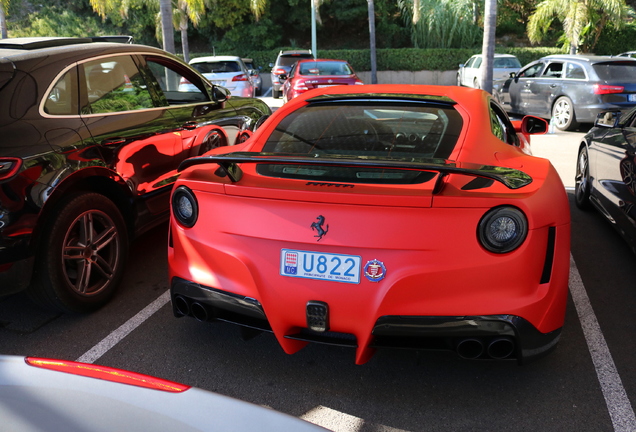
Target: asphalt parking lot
[588, 384]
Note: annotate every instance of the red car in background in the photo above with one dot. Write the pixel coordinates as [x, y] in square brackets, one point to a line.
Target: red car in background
[310, 74]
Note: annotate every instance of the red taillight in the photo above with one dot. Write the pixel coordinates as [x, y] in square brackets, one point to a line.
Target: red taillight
[607, 89]
[108, 374]
[241, 77]
[279, 71]
[300, 85]
[184, 81]
[9, 167]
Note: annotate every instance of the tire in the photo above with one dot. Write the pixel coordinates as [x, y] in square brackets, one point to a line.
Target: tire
[563, 114]
[476, 83]
[276, 94]
[582, 183]
[213, 140]
[82, 255]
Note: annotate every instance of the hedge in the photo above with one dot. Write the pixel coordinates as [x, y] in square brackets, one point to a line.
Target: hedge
[404, 59]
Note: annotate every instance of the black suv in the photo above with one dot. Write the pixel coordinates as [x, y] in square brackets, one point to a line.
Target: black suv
[92, 135]
[284, 62]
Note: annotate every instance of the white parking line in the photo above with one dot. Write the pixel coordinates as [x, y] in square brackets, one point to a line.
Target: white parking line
[618, 404]
[116, 336]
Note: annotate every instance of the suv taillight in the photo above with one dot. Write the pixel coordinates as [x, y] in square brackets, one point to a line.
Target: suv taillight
[607, 89]
[278, 71]
[9, 167]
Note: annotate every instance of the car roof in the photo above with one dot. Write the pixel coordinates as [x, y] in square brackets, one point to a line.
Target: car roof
[32, 43]
[587, 58]
[215, 58]
[22, 49]
[321, 60]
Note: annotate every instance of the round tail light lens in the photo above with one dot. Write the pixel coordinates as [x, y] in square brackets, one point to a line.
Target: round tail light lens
[184, 207]
[503, 229]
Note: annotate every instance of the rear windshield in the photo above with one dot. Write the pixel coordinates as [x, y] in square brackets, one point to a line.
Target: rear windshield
[288, 60]
[383, 131]
[325, 68]
[506, 63]
[616, 71]
[217, 67]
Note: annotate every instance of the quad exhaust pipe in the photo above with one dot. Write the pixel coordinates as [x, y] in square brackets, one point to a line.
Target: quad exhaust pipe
[473, 348]
[186, 307]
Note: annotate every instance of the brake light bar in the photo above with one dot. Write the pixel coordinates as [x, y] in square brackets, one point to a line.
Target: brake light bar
[107, 373]
[607, 89]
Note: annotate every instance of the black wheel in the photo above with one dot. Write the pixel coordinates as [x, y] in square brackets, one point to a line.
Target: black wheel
[82, 255]
[276, 94]
[582, 183]
[213, 140]
[563, 114]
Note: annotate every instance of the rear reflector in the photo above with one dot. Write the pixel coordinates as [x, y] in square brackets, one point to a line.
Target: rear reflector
[107, 374]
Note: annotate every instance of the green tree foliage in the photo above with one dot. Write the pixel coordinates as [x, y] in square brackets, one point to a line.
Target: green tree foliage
[442, 23]
[583, 20]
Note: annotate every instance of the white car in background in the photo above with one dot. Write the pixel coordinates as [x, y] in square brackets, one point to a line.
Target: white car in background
[469, 73]
[225, 71]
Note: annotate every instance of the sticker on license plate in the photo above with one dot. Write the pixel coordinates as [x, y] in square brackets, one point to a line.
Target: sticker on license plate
[320, 266]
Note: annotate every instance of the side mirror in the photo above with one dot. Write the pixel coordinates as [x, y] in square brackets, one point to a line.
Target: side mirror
[271, 65]
[607, 119]
[531, 125]
[220, 94]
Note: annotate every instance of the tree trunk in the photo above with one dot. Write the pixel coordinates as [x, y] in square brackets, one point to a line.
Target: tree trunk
[166, 26]
[3, 22]
[374, 76]
[488, 46]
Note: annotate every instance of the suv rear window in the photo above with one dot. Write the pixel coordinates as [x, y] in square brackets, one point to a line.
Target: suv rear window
[381, 130]
[616, 71]
[290, 59]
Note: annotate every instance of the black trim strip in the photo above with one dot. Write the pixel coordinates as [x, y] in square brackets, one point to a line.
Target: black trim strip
[549, 256]
[511, 178]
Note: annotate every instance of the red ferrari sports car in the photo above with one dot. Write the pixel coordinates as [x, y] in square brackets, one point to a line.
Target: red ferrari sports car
[379, 216]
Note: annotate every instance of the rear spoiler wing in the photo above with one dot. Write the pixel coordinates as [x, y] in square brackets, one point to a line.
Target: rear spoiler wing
[511, 178]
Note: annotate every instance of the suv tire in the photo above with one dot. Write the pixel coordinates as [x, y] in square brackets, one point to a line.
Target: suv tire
[81, 256]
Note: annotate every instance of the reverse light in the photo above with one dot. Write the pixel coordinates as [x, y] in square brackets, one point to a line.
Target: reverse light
[9, 167]
[607, 89]
[241, 77]
[184, 207]
[107, 374]
[502, 229]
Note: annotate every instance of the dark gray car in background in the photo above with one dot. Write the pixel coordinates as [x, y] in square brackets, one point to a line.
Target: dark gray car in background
[570, 89]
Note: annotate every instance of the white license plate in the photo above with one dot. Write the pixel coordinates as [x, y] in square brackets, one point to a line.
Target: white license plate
[219, 83]
[320, 266]
[631, 97]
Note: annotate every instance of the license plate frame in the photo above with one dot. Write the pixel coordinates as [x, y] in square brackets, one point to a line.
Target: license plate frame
[325, 266]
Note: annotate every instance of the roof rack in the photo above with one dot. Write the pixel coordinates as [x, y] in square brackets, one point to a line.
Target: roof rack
[32, 43]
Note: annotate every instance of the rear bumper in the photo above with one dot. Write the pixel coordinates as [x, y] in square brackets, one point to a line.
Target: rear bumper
[499, 337]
